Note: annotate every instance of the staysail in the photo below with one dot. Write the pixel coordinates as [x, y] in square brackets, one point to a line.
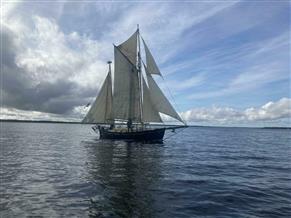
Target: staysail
[150, 113]
[101, 110]
[159, 99]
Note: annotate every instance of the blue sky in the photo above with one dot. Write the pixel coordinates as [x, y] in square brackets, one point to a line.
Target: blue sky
[220, 59]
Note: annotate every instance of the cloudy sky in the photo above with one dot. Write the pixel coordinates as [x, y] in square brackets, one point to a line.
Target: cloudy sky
[225, 62]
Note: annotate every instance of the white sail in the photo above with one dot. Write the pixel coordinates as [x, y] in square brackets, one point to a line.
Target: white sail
[101, 110]
[126, 97]
[150, 113]
[129, 48]
[160, 101]
[152, 67]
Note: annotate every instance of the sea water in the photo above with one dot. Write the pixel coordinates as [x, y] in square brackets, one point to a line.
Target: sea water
[64, 170]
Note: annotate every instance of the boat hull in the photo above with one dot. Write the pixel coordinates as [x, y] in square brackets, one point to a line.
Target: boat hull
[142, 135]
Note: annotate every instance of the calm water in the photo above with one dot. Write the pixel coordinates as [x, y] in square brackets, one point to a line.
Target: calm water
[62, 170]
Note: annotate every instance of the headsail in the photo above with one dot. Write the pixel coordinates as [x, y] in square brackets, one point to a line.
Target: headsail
[129, 48]
[101, 110]
[126, 95]
[150, 113]
[152, 67]
[160, 101]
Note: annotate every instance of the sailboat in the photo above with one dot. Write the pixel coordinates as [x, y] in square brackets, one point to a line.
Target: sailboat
[128, 105]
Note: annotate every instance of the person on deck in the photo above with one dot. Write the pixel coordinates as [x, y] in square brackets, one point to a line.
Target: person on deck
[129, 125]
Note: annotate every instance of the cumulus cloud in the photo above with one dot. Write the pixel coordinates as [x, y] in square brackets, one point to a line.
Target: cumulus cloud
[44, 69]
[213, 114]
[280, 109]
[49, 54]
[270, 111]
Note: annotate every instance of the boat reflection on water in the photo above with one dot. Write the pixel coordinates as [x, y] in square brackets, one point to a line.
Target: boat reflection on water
[126, 174]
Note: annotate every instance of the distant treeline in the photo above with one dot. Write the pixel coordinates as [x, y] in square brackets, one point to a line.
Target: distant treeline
[39, 121]
[275, 127]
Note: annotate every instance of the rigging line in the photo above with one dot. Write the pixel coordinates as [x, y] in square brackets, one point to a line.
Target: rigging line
[175, 133]
[176, 105]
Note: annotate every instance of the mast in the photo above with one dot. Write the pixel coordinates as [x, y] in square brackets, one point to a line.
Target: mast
[139, 75]
[108, 91]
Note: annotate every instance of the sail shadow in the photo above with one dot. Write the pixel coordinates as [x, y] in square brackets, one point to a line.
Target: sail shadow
[127, 173]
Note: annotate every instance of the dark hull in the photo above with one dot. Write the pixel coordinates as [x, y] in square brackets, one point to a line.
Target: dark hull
[144, 135]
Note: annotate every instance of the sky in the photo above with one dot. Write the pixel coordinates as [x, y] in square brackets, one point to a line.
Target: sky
[224, 63]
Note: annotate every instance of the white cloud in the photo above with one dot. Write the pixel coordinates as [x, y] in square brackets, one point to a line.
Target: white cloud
[49, 55]
[7, 9]
[213, 114]
[227, 115]
[60, 70]
[270, 111]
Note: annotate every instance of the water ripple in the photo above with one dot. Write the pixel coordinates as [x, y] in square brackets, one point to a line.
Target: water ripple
[59, 170]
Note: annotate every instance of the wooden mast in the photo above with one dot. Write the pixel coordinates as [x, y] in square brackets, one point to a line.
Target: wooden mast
[107, 91]
[139, 76]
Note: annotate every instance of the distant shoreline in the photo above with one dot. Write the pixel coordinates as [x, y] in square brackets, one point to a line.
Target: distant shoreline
[39, 121]
[76, 122]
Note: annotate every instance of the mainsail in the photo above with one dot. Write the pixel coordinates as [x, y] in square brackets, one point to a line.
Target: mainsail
[101, 110]
[132, 98]
[126, 99]
[150, 113]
